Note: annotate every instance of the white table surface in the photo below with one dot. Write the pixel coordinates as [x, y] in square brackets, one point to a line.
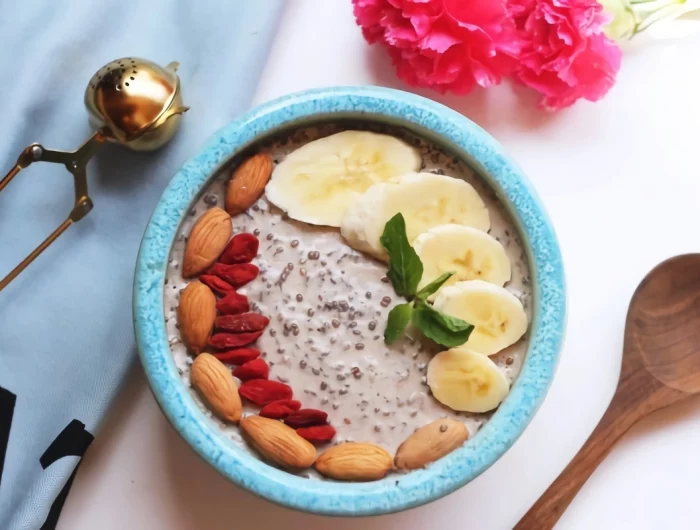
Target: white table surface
[621, 183]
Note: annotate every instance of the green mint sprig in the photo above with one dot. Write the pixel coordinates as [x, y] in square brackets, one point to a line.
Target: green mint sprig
[405, 272]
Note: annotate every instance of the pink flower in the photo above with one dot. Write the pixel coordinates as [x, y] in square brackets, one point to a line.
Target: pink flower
[449, 45]
[565, 55]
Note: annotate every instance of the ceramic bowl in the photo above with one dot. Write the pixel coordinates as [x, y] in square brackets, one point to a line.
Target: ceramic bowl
[396, 492]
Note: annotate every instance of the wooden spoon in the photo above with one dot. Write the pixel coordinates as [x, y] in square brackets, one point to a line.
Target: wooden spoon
[660, 366]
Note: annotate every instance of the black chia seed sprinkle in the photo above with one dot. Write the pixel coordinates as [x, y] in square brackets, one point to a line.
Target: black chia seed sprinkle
[368, 295]
[343, 391]
[359, 346]
[385, 301]
[385, 279]
[372, 325]
[302, 364]
[295, 243]
[316, 371]
[443, 428]
[269, 237]
[336, 323]
[509, 361]
[352, 325]
[300, 299]
[256, 232]
[324, 385]
[314, 254]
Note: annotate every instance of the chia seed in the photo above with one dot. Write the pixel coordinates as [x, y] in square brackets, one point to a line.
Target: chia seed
[314, 255]
[300, 298]
[343, 306]
[335, 322]
[294, 243]
[443, 428]
[324, 385]
[385, 301]
[352, 325]
[509, 361]
[372, 325]
[256, 232]
[368, 295]
[316, 371]
[385, 279]
[310, 311]
[269, 237]
[359, 346]
[343, 391]
[302, 271]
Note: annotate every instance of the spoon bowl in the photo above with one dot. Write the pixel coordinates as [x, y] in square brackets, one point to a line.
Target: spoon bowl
[660, 366]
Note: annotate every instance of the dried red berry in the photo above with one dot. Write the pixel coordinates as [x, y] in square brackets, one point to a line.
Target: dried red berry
[224, 341]
[278, 410]
[306, 417]
[216, 284]
[238, 356]
[264, 391]
[242, 322]
[236, 275]
[256, 369]
[241, 249]
[232, 303]
[318, 434]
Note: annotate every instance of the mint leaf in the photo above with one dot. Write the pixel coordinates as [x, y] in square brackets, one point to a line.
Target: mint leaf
[399, 317]
[405, 267]
[439, 327]
[433, 286]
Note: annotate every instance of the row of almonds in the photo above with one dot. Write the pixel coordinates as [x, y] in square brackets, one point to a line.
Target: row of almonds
[281, 433]
[280, 444]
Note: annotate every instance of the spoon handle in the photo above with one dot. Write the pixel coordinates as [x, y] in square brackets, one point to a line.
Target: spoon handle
[637, 394]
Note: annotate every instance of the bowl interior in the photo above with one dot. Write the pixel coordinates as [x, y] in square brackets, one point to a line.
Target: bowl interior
[356, 107]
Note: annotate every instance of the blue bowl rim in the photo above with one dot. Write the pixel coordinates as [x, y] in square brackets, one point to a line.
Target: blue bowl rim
[396, 492]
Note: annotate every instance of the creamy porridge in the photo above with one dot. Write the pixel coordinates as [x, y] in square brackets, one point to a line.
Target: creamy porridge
[328, 307]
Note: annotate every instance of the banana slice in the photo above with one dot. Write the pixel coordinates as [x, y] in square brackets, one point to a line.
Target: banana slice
[497, 315]
[466, 381]
[470, 253]
[318, 182]
[426, 200]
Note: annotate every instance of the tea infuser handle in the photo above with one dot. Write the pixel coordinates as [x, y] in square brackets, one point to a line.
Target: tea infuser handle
[76, 163]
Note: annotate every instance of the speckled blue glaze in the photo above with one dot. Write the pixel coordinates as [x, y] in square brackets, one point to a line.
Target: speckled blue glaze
[396, 492]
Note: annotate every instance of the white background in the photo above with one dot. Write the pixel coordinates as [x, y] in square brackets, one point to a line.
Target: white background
[621, 183]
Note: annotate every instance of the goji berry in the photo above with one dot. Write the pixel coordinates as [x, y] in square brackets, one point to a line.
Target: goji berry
[224, 341]
[306, 417]
[264, 391]
[232, 303]
[241, 249]
[256, 369]
[216, 284]
[236, 275]
[242, 322]
[317, 434]
[238, 356]
[280, 409]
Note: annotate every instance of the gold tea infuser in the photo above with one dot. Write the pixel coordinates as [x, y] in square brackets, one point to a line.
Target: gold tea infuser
[130, 101]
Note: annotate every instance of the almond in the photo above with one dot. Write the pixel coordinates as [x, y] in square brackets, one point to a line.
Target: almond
[248, 183]
[207, 241]
[278, 443]
[216, 386]
[354, 461]
[430, 443]
[196, 314]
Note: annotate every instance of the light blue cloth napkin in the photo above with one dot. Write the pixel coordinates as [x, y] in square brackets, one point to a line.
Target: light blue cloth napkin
[66, 337]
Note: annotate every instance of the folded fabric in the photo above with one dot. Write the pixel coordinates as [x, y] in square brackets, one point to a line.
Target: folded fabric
[66, 337]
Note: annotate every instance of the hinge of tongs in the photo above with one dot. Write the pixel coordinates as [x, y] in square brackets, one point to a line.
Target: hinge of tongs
[76, 163]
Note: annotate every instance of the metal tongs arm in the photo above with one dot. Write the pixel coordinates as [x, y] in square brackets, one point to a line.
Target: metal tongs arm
[76, 163]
